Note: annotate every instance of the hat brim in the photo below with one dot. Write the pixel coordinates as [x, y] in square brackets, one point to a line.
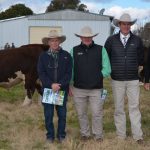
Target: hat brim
[116, 22]
[79, 35]
[46, 39]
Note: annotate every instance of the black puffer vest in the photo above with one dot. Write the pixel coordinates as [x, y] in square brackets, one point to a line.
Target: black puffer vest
[125, 60]
[87, 66]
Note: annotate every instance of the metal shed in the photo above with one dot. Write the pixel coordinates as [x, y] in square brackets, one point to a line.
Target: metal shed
[30, 29]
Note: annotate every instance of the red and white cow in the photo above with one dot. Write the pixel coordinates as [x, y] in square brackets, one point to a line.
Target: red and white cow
[20, 65]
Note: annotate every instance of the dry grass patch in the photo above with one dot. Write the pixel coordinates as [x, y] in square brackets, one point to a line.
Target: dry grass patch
[23, 128]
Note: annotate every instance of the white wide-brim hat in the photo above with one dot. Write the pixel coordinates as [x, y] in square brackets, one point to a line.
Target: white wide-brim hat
[86, 32]
[124, 18]
[54, 34]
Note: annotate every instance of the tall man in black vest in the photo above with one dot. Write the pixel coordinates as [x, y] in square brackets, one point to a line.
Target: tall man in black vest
[126, 55]
[90, 65]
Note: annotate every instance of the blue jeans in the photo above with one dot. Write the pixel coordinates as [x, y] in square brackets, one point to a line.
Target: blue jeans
[61, 113]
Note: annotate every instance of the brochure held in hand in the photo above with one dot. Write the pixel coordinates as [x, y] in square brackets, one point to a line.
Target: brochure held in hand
[51, 97]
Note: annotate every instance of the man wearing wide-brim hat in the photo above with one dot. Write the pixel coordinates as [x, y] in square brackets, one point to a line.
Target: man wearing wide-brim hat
[126, 55]
[124, 18]
[91, 65]
[54, 34]
[55, 70]
[86, 32]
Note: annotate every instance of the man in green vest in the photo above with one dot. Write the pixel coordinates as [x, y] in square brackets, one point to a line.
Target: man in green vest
[90, 65]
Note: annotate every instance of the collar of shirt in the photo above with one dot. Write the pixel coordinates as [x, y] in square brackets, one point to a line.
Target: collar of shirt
[52, 53]
[122, 36]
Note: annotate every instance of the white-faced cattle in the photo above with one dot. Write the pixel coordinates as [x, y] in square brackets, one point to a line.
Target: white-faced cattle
[20, 64]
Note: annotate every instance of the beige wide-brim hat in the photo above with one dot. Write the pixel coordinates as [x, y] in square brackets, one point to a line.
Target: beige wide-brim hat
[124, 18]
[86, 32]
[54, 34]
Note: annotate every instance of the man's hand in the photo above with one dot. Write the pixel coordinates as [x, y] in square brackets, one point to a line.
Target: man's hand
[56, 87]
[140, 69]
[147, 86]
[70, 91]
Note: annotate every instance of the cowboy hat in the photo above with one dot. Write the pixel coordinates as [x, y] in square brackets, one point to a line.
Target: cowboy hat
[124, 18]
[54, 34]
[86, 32]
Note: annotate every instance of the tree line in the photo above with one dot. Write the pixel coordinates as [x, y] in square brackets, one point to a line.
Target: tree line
[21, 10]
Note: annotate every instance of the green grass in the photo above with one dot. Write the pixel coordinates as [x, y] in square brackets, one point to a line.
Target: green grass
[5, 145]
[12, 95]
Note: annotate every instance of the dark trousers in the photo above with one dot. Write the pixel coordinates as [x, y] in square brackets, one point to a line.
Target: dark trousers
[61, 113]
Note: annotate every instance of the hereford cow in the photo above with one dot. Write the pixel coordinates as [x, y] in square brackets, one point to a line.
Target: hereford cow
[141, 72]
[20, 64]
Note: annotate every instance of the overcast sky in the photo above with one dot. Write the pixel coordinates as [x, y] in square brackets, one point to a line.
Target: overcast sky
[139, 9]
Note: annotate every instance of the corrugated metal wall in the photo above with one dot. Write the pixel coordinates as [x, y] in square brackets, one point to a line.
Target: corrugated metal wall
[71, 27]
[18, 30]
[14, 31]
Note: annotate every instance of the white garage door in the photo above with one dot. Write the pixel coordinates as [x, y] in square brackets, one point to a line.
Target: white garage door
[37, 33]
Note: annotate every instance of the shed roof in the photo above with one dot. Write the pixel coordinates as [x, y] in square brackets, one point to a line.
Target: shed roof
[10, 19]
[69, 14]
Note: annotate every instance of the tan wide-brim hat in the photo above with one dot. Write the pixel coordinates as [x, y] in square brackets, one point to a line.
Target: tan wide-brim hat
[124, 18]
[54, 34]
[86, 32]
